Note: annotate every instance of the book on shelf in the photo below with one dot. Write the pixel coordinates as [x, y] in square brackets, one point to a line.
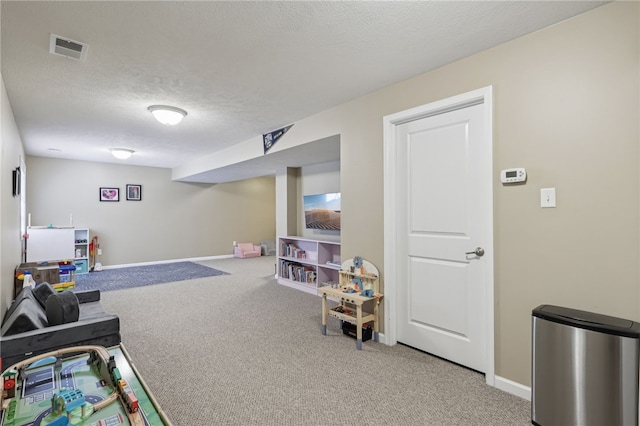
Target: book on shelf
[291, 250]
[296, 272]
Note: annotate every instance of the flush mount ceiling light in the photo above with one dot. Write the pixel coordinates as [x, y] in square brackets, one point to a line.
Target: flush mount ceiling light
[122, 153]
[167, 115]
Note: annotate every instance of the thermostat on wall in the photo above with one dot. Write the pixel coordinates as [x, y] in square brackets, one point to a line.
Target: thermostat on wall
[518, 174]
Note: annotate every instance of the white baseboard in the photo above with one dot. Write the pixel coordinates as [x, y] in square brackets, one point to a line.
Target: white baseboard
[156, 262]
[514, 388]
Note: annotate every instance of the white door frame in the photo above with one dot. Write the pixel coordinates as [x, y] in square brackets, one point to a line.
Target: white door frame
[484, 96]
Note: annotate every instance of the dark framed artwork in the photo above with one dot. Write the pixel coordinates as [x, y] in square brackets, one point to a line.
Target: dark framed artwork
[134, 192]
[16, 177]
[109, 194]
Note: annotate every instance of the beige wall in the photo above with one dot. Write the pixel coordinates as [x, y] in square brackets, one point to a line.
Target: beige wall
[317, 179]
[174, 220]
[566, 107]
[12, 157]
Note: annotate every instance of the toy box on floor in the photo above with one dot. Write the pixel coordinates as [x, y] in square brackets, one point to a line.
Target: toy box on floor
[42, 272]
[350, 330]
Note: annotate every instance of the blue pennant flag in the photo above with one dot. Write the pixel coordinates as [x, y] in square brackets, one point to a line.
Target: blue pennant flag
[270, 139]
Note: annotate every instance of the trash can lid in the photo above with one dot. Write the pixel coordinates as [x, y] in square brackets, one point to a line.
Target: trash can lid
[588, 320]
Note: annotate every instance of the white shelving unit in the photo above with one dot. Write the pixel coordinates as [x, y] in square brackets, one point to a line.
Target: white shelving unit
[81, 239]
[306, 264]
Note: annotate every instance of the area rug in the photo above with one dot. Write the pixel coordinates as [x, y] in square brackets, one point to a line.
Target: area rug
[137, 276]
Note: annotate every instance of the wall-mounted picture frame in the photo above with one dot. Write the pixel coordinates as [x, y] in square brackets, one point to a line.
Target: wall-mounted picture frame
[134, 192]
[16, 178]
[109, 194]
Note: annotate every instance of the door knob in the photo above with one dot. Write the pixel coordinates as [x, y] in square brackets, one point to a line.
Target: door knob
[479, 251]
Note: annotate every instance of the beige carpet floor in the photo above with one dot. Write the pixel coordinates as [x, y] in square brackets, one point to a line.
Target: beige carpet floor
[240, 349]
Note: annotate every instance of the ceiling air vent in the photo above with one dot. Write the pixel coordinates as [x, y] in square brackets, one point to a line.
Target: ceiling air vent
[65, 47]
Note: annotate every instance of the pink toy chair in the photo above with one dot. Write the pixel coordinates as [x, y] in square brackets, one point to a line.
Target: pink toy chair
[244, 250]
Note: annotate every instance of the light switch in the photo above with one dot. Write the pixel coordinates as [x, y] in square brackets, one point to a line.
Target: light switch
[547, 197]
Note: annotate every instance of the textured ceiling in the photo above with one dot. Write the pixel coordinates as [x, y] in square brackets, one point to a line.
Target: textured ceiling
[240, 69]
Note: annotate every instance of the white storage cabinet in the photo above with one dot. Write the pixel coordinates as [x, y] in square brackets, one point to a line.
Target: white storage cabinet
[306, 264]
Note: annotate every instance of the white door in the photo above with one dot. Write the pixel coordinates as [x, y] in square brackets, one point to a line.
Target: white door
[444, 213]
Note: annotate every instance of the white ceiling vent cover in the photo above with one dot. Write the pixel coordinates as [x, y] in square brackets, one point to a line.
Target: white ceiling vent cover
[66, 47]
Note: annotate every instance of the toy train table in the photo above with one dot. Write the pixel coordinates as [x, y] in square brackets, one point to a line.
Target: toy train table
[94, 387]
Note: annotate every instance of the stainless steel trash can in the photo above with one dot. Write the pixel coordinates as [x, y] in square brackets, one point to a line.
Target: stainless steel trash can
[584, 368]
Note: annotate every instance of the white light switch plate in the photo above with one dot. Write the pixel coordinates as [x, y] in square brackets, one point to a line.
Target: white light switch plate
[547, 197]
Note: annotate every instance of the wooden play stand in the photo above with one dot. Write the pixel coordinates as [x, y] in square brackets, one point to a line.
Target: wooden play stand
[355, 275]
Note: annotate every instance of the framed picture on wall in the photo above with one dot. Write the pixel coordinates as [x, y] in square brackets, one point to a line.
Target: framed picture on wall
[16, 181]
[134, 192]
[109, 194]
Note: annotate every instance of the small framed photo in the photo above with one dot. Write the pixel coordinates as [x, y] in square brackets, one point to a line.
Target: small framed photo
[16, 181]
[134, 192]
[109, 194]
